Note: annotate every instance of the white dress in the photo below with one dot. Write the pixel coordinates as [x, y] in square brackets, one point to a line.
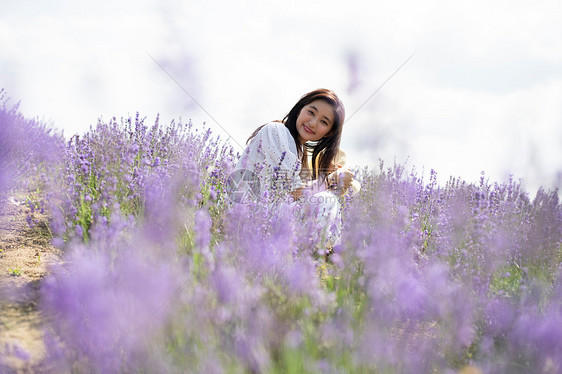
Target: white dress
[269, 169]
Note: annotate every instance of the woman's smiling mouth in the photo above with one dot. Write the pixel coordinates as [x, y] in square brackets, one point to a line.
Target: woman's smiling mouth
[308, 130]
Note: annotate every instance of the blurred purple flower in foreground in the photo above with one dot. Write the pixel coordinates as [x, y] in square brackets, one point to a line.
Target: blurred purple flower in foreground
[107, 305]
[162, 273]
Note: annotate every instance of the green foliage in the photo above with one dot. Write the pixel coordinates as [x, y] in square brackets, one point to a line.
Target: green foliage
[15, 272]
[507, 281]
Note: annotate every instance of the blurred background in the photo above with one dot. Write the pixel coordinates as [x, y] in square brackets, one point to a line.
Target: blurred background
[459, 87]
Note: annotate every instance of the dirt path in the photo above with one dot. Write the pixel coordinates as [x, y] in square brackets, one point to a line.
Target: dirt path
[25, 255]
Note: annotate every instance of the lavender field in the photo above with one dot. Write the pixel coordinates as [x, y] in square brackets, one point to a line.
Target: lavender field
[162, 273]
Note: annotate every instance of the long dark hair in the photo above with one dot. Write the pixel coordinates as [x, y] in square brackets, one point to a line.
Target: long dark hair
[325, 150]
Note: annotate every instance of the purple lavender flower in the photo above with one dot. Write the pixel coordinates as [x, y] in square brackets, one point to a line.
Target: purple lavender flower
[429, 278]
[202, 229]
[106, 308]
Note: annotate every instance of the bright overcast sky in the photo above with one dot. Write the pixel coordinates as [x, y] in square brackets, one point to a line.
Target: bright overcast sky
[482, 91]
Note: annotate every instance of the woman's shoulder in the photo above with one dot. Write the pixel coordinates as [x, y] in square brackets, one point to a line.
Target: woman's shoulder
[275, 126]
[276, 137]
[273, 130]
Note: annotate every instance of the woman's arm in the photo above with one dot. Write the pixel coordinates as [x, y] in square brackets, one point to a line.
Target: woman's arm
[280, 151]
[340, 180]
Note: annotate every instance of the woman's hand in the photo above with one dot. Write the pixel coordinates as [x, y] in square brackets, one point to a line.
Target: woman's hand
[340, 179]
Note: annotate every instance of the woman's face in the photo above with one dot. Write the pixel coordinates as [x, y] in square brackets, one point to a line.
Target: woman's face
[315, 121]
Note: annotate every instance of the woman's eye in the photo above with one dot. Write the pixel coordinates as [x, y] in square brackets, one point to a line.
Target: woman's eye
[310, 112]
[324, 122]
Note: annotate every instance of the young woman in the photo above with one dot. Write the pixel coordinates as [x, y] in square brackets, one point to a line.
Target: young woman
[301, 151]
[296, 159]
